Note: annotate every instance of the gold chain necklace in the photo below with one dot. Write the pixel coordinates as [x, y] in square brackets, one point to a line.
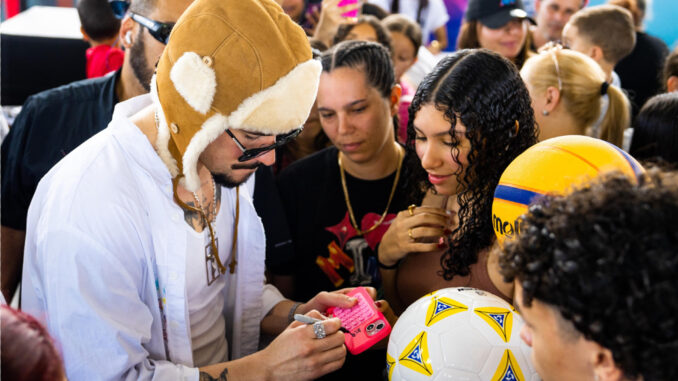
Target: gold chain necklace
[390, 197]
[214, 202]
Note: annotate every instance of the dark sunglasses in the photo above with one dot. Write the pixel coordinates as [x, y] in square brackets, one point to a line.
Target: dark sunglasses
[159, 30]
[249, 154]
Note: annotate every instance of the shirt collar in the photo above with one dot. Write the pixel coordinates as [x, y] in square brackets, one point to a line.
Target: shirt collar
[135, 143]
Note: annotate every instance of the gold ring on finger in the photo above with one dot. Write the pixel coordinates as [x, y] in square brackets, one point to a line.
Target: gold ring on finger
[411, 209]
[409, 234]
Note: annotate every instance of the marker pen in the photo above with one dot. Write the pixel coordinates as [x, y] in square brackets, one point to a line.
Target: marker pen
[309, 320]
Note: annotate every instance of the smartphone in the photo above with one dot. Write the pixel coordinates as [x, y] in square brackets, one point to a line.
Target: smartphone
[365, 324]
[351, 13]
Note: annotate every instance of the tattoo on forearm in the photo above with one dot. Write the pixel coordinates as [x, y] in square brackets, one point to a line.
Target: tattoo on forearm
[206, 377]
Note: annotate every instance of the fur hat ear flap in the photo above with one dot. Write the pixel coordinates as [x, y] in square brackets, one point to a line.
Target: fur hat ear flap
[162, 141]
[195, 80]
[209, 131]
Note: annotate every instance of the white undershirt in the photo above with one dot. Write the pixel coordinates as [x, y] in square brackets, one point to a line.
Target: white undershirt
[206, 303]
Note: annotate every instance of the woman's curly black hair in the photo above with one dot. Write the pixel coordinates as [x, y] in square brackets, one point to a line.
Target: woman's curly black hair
[484, 91]
[606, 258]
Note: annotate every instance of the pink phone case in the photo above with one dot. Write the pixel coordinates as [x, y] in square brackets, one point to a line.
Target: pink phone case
[366, 325]
[347, 2]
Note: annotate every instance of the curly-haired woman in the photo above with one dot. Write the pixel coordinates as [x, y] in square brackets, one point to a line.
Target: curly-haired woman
[469, 119]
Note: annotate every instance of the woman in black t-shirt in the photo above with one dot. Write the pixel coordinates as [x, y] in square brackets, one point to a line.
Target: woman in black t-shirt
[340, 201]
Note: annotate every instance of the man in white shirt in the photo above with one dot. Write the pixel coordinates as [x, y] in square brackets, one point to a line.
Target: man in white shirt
[144, 254]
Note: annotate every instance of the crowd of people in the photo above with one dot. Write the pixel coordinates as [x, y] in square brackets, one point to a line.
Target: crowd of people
[233, 163]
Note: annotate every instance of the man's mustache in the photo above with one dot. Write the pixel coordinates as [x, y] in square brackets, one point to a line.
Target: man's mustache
[247, 166]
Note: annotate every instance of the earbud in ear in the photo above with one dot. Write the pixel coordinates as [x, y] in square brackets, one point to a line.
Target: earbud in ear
[128, 38]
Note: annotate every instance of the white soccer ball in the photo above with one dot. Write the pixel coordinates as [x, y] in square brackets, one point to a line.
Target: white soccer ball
[459, 334]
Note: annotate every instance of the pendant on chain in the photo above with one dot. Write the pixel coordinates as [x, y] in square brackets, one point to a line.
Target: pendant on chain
[211, 267]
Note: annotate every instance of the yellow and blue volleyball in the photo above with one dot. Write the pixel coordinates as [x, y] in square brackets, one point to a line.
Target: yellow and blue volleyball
[554, 166]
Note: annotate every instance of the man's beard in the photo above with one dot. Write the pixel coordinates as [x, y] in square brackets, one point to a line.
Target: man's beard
[226, 180]
[139, 63]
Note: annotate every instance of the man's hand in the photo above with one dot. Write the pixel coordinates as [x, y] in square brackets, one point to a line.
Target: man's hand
[297, 354]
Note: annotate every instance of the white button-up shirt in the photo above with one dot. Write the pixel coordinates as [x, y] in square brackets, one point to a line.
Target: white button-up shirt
[105, 242]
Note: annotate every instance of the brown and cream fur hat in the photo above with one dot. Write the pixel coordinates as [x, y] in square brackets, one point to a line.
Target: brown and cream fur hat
[238, 64]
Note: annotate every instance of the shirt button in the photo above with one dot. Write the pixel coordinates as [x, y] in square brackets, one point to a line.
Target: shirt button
[173, 276]
[174, 324]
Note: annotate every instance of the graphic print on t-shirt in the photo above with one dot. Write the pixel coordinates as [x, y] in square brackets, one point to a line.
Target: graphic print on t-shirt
[353, 254]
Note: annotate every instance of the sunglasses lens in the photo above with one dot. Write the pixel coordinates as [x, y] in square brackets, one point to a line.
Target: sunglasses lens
[282, 139]
[279, 141]
[158, 36]
[254, 153]
[119, 8]
[248, 156]
[163, 33]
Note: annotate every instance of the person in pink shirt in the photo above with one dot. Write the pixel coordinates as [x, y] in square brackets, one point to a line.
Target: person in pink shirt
[100, 28]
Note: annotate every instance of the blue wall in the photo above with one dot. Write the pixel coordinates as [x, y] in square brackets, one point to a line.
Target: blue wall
[660, 20]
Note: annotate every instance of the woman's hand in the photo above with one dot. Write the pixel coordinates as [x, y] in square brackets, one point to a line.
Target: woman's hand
[331, 18]
[417, 229]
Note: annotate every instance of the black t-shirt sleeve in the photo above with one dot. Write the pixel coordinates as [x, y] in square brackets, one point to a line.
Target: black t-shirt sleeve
[18, 183]
[50, 125]
[267, 202]
[284, 265]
